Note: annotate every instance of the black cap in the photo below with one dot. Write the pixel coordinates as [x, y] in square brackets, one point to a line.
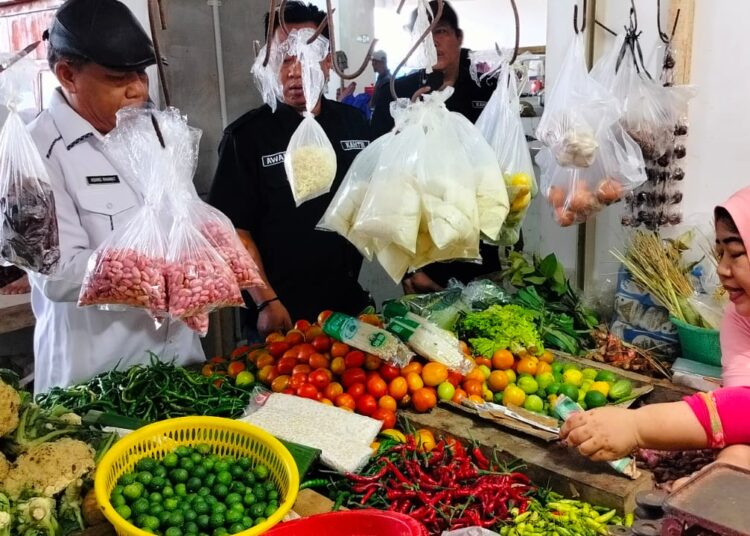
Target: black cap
[448, 17]
[103, 31]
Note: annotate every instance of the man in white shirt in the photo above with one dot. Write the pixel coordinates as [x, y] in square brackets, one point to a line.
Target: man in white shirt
[98, 52]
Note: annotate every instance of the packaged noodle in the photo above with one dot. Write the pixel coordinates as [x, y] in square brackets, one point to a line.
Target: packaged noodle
[368, 339]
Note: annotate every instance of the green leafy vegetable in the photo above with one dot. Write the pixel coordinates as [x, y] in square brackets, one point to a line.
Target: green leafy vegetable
[499, 327]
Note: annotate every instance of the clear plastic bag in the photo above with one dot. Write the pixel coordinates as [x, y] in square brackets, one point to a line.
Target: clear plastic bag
[500, 124]
[310, 161]
[577, 109]
[267, 76]
[426, 54]
[342, 212]
[127, 269]
[28, 218]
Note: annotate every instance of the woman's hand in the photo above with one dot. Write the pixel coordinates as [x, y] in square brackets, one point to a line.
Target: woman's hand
[602, 434]
[420, 283]
[274, 317]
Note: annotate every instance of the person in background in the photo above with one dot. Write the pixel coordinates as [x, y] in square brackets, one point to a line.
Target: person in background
[468, 99]
[306, 270]
[380, 66]
[706, 420]
[99, 53]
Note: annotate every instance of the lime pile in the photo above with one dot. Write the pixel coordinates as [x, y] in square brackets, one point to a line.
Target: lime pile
[194, 492]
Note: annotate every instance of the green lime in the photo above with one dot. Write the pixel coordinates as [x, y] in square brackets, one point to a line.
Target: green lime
[203, 449]
[545, 379]
[164, 517]
[234, 516]
[167, 491]
[173, 531]
[180, 490]
[261, 472]
[183, 451]
[151, 522]
[190, 528]
[178, 475]
[208, 464]
[497, 398]
[124, 511]
[196, 457]
[244, 462]
[133, 491]
[141, 506]
[257, 509]
[533, 403]
[589, 373]
[221, 531]
[187, 464]
[236, 471]
[160, 471]
[193, 484]
[176, 519]
[156, 509]
[248, 478]
[146, 464]
[233, 498]
[171, 504]
[203, 521]
[235, 528]
[117, 500]
[155, 497]
[220, 490]
[210, 480]
[446, 391]
[244, 379]
[571, 391]
[247, 522]
[170, 460]
[127, 478]
[528, 385]
[219, 507]
[199, 471]
[237, 487]
[557, 367]
[595, 399]
[259, 520]
[606, 376]
[201, 507]
[158, 483]
[117, 490]
[217, 520]
[221, 466]
[269, 485]
[272, 495]
[249, 499]
[225, 477]
[204, 491]
[270, 509]
[190, 515]
[259, 492]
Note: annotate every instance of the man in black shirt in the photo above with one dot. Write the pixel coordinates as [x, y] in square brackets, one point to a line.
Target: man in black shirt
[306, 270]
[468, 99]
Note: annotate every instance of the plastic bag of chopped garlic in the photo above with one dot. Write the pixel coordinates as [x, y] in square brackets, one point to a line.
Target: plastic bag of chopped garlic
[310, 161]
[310, 423]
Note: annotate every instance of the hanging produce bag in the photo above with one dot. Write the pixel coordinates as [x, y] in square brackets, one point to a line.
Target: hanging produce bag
[500, 124]
[310, 161]
[28, 219]
[127, 269]
[579, 179]
[425, 56]
[342, 212]
[266, 77]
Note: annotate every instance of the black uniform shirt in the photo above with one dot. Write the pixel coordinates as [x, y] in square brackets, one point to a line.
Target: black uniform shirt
[468, 99]
[310, 270]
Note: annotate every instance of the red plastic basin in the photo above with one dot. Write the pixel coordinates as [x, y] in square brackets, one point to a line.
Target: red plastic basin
[351, 523]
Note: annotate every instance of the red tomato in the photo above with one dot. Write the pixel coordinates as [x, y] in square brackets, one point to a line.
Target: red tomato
[277, 349]
[318, 361]
[377, 387]
[372, 362]
[289, 391]
[273, 374]
[304, 351]
[286, 364]
[352, 376]
[333, 390]
[357, 390]
[294, 337]
[305, 369]
[338, 366]
[367, 405]
[322, 343]
[235, 367]
[389, 372]
[385, 415]
[345, 401]
[274, 337]
[302, 325]
[323, 316]
[354, 359]
[297, 380]
[292, 352]
[339, 349]
[312, 332]
[320, 378]
[455, 378]
[308, 390]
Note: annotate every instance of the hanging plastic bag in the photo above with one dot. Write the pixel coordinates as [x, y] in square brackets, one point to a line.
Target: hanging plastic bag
[28, 219]
[127, 269]
[310, 161]
[342, 212]
[576, 111]
[500, 124]
[425, 56]
[267, 76]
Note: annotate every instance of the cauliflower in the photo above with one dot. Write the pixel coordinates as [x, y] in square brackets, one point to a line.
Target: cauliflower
[4, 467]
[49, 468]
[36, 516]
[10, 402]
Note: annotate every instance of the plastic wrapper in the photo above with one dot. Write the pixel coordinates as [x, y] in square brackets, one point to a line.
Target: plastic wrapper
[368, 339]
[425, 56]
[28, 219]
[577, 109]
[500, 124]
[442, 308]
[342, 212]
[267, 76]
[310, 161]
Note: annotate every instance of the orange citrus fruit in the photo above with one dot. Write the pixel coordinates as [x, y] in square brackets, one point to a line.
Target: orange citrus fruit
[543, 367]
[398, 388]
[414, 381]
[474, 387]
[476, 399]
[498, 380]
[475, 374]
[547, 357]
[414, 366]
[483, 361]
[458, 396]
[527, 365]
[424, 439]
[502, 360]
[513, 395]
[424, 399]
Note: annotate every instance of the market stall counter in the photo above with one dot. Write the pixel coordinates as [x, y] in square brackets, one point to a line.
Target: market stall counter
[15, 312]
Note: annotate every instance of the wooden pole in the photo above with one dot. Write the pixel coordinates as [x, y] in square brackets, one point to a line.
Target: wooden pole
[682, 41]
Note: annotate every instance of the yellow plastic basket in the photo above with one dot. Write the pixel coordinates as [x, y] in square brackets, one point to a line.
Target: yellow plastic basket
[226, 437]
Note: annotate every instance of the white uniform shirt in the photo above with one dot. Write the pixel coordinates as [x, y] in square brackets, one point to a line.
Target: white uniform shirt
[92, 199]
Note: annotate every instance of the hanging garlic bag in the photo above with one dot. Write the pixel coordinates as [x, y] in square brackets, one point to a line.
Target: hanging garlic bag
[28, 218]
[310, 161]
[500, 124]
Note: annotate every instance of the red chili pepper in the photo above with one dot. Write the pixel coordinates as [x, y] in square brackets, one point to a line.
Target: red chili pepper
[480, 458]
[369, 494]
[405, 506]
[366, 479]
[392, 494]
[364, 487]
[397, 473]
[520, 477]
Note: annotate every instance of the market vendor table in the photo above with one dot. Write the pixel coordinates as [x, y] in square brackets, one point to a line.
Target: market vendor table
[562, 469]
[15, 312]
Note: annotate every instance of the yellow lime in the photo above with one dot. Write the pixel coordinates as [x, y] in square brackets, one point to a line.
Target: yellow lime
[600, 387]
[511, 375]
[533, 403]
[545, 379]
[528, 385]
[589, 373]
[485, 370]
[513, 395]
[573, 377]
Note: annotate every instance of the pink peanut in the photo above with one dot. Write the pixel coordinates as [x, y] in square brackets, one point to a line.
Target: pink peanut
[231, 250]
[199, 286]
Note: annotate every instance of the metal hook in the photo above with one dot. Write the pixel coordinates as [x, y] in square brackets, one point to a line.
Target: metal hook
[575, 18]
[674, 26]
[269, 31]
[664, 37]
[319, 30]
[321, 27]
[400, 6]
[332, 32]
[633, 16]
[518, 31]
[428, 31]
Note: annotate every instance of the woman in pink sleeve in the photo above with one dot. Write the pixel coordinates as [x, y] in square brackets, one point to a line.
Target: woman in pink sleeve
[714, 420]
